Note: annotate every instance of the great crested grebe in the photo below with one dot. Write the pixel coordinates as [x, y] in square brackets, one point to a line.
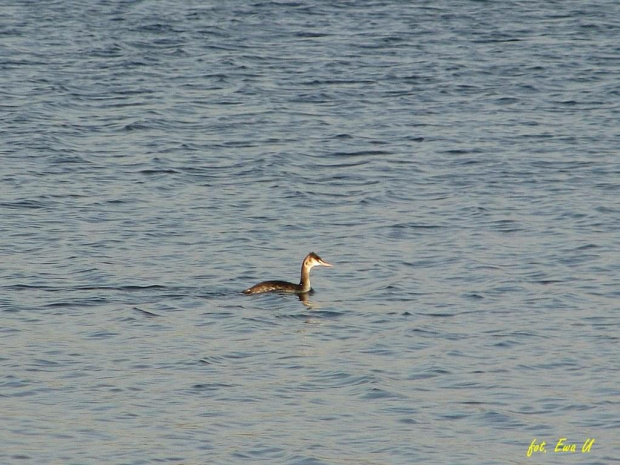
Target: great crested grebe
[303, 287]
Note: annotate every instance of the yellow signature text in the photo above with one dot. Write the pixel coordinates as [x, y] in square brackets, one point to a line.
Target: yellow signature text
[561, 446]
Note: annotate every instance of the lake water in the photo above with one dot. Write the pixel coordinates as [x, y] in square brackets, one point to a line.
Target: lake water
[458, 163]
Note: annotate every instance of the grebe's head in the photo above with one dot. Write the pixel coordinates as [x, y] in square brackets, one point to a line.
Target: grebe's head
[313, 260]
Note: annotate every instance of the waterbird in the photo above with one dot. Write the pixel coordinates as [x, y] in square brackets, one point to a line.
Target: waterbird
[303, 287]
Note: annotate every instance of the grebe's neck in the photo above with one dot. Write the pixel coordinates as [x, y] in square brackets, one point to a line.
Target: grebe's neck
[304, 283]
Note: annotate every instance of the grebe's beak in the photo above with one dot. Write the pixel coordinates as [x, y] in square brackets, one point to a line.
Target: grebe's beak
[324, 263]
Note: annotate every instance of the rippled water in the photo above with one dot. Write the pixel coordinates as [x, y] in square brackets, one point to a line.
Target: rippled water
[456, 161]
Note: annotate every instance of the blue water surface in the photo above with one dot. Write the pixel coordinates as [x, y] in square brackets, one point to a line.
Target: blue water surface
[457, 162]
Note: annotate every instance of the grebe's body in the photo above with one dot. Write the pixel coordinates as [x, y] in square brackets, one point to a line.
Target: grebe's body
[303, 287]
